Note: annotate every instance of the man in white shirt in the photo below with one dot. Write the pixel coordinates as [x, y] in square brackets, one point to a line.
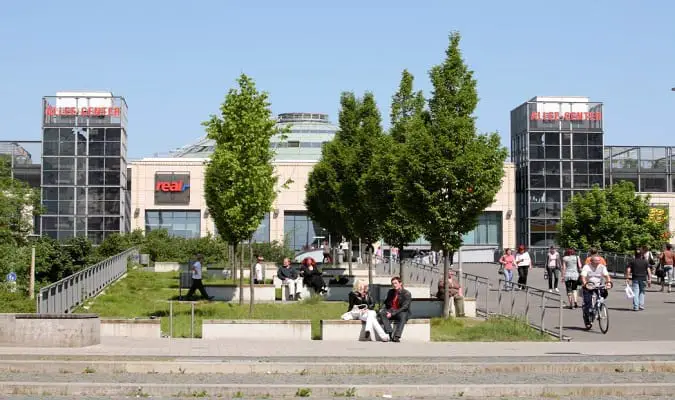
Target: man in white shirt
[596, 273]
[197, 284]
[258, 271]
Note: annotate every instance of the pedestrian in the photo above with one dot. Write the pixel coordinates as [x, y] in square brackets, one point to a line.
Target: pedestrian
[553, 267]
[667, 261]
[197, 284]
[638, 275]
[507, 265]
[571, 268]
[524, 263]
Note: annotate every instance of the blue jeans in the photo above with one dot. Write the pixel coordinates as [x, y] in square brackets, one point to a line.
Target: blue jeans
[638, 287]
[508, 277]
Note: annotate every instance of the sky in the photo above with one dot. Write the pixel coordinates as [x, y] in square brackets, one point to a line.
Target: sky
[174, 61]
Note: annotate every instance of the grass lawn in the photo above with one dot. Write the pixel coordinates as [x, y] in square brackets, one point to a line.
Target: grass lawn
[496, 329]
[147, 294]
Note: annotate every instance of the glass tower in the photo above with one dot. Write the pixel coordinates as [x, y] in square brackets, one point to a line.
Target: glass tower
[557, 149]
[84, 165]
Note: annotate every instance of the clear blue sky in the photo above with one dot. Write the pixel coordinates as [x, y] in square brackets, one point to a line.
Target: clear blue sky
[174, 62]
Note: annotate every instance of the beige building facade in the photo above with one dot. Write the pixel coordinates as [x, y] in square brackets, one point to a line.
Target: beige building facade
[168, 193]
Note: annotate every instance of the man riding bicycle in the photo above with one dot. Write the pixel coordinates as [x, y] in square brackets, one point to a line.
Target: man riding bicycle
[595, 273]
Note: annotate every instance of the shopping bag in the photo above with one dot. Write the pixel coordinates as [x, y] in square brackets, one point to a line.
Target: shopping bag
[629, 293]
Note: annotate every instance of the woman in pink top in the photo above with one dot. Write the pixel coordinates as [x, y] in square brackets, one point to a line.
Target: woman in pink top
[507, 262]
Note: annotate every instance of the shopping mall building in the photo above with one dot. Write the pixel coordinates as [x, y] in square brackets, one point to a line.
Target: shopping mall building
[89, 188]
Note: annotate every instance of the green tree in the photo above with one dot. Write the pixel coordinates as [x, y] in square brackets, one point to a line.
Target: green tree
[19, 203]
[407, 112]
[451, 172]
[240, 179]
[614, 219]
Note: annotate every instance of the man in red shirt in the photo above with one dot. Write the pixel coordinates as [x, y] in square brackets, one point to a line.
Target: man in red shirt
[396, 308]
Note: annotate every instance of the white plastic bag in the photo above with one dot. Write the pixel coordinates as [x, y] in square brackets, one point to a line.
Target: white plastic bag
[629, 293]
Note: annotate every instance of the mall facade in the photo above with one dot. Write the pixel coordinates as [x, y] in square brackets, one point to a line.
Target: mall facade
[168, 193]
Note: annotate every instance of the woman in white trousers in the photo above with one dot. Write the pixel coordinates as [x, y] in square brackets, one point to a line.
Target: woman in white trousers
[361, 306]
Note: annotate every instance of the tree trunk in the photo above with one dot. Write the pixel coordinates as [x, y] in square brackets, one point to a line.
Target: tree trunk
[232, 261]
[241, 273]
[251, 275]
[400, 263]
[370, 268]
[446, 289]
[349, 257]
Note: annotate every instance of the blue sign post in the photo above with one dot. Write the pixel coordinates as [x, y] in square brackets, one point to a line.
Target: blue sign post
[11, 279]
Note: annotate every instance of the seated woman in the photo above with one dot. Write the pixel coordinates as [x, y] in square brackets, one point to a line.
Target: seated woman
[311, 276]
[361, 307]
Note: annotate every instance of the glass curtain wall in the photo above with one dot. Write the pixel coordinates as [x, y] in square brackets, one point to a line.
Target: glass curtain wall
[648, 168]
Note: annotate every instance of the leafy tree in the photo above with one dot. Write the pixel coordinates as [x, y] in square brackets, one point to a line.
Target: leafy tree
[240, 179]
[451, 172]
[406, 116]
[18, 204]
[614, 219]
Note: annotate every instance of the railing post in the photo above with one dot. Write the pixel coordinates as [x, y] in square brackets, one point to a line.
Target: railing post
[543, 310]
[560, 312]
[487, 297]
[499, 298]
[192, 320]
[527, 304]
[170, 319]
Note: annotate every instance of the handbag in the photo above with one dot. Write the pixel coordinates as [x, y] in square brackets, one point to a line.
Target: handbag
[501, 270]
[629, 293]
[355, 313]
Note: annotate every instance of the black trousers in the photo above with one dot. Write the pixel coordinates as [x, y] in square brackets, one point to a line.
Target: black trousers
[522, 275]
[553, 277]
[315, 282]
[400, 319]
[197, 285]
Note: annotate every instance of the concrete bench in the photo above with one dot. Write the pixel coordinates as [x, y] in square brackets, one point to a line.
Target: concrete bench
[270, 330]
[137, 328]
[50, 330]
[415, 330]
[262, 293]
[432, 308]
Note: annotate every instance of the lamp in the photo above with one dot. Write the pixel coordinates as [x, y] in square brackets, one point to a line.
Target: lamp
[508, 214]
[206, 213]
[137, 212]
[276, 212]
[31, 283]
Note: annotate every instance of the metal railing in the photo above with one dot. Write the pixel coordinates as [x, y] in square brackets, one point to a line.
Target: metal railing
[68, 293]
[616, 263]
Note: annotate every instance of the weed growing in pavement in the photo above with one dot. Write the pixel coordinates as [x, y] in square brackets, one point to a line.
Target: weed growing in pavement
[351, 392]
[89, 370]
[303, 392]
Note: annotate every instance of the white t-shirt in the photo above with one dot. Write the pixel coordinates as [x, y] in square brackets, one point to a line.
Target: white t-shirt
[258, 272]
[523, 260]
[197, 272]
[596, 276]
[553, 259]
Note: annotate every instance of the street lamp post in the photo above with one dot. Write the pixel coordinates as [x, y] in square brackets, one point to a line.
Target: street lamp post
[31, 282]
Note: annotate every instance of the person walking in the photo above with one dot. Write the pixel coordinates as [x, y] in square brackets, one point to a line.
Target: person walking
[197, 284]
[667, 261]
[571, 264]
[638, 275]
[553, 267]
[507, 263]
[524, 263]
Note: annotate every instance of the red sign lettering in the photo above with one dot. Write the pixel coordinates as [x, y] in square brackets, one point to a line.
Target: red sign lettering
[568, 116]
[83, 111]
[170, 186]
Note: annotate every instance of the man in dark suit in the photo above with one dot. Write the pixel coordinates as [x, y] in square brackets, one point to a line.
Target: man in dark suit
[396, 308]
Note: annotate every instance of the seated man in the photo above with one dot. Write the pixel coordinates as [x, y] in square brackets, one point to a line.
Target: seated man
[453, 292]
[289, 277]
[396, 307]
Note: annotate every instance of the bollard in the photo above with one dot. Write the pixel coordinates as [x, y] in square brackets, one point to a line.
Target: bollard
[543, 311]
[560, 312]
[527, 304]
[170, 319]
[487, 297]
[192, 320]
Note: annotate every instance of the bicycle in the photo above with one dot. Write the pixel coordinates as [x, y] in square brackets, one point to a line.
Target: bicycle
[598, 308]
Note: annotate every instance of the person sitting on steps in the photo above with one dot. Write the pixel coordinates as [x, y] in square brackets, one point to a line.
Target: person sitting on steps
[361, 306]
[289, 278]
[453, 292]
[396, 308]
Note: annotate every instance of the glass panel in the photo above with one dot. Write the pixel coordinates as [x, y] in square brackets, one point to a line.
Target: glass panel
[112, 223]
[653, 183]
[552, 181]
[67, 148]
[112, 149]
[537, 210]
[595, 180]
[51, 207]
[96, 148]
[567, 181]
[567, 139]
[536, 196]
[566, 152]
[95, 223]
[67, 193]
[112, 207]
[553, 210]
[580, 153]
[537, 181]
[50, 193]
[66, 178]
[537, 167]
[262, 234]
[112, 193]
[624, 158]
[95, 237]
[595, 167]
[50, 135]
[537, 152]
[580, 181]
[112, 178]
[66, 207]
[567, 196]
[49, 223]
[112, 134]
[616, 178]
[538, 240]
[552, 152]
[95, 178]
[594, 139]
[66, 163]
[50, 163]
[81, 146]
[96, 164]
[566, 167]
[50, 148]
[595, 153]
[553, 196]
[579, 139]
[96, 135]
[112, 163]
[81, 207]
[580, 167]
[183, 224]
[537, 138]
[552, 138]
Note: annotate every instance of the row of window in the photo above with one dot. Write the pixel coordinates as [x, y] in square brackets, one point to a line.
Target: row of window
[82, 134]
[80, 178]
[566, 152]
[113, 149]
[80, 193]
[93, 163]
[566, 138]
[51, 223]
[81, 207]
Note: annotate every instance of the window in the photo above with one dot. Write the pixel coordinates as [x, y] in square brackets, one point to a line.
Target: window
[299, 230]
[262, 234]
[488, 231]
[185, 224]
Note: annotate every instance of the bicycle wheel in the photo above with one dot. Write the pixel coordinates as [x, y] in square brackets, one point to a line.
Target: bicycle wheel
[603, 318]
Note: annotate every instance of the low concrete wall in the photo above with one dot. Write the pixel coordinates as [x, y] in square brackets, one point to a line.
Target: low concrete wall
[432, 308]
[50, 330]
[415, 330]
[168, 266]
[417, 291]
[137, 328]
[257, 329]
[263, 293]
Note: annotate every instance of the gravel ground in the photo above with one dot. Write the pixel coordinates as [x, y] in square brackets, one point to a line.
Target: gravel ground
[356, 379]
[363, 398]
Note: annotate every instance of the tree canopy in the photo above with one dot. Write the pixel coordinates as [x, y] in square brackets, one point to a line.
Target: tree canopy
[614, 219]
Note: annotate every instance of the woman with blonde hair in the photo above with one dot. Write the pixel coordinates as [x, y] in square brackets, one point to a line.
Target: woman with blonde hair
[361, 306]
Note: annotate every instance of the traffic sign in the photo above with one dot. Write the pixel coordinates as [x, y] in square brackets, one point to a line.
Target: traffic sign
[11, 277]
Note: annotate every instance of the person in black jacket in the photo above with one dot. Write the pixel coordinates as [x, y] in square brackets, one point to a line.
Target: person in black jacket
[361, 306]
[289, 277]
[311, 276]
[396, 308]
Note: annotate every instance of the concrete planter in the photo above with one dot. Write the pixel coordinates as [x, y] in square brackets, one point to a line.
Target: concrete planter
[257, 329]
[137, 328]
[263, 293]
[415, 330]
[432, 308]
[50, 330]
[169, 266]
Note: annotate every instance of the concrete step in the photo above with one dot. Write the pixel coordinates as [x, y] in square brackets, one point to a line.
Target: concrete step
[391, 390]
[65, 367]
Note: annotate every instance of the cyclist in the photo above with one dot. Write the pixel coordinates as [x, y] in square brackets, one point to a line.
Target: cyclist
[596, 273]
